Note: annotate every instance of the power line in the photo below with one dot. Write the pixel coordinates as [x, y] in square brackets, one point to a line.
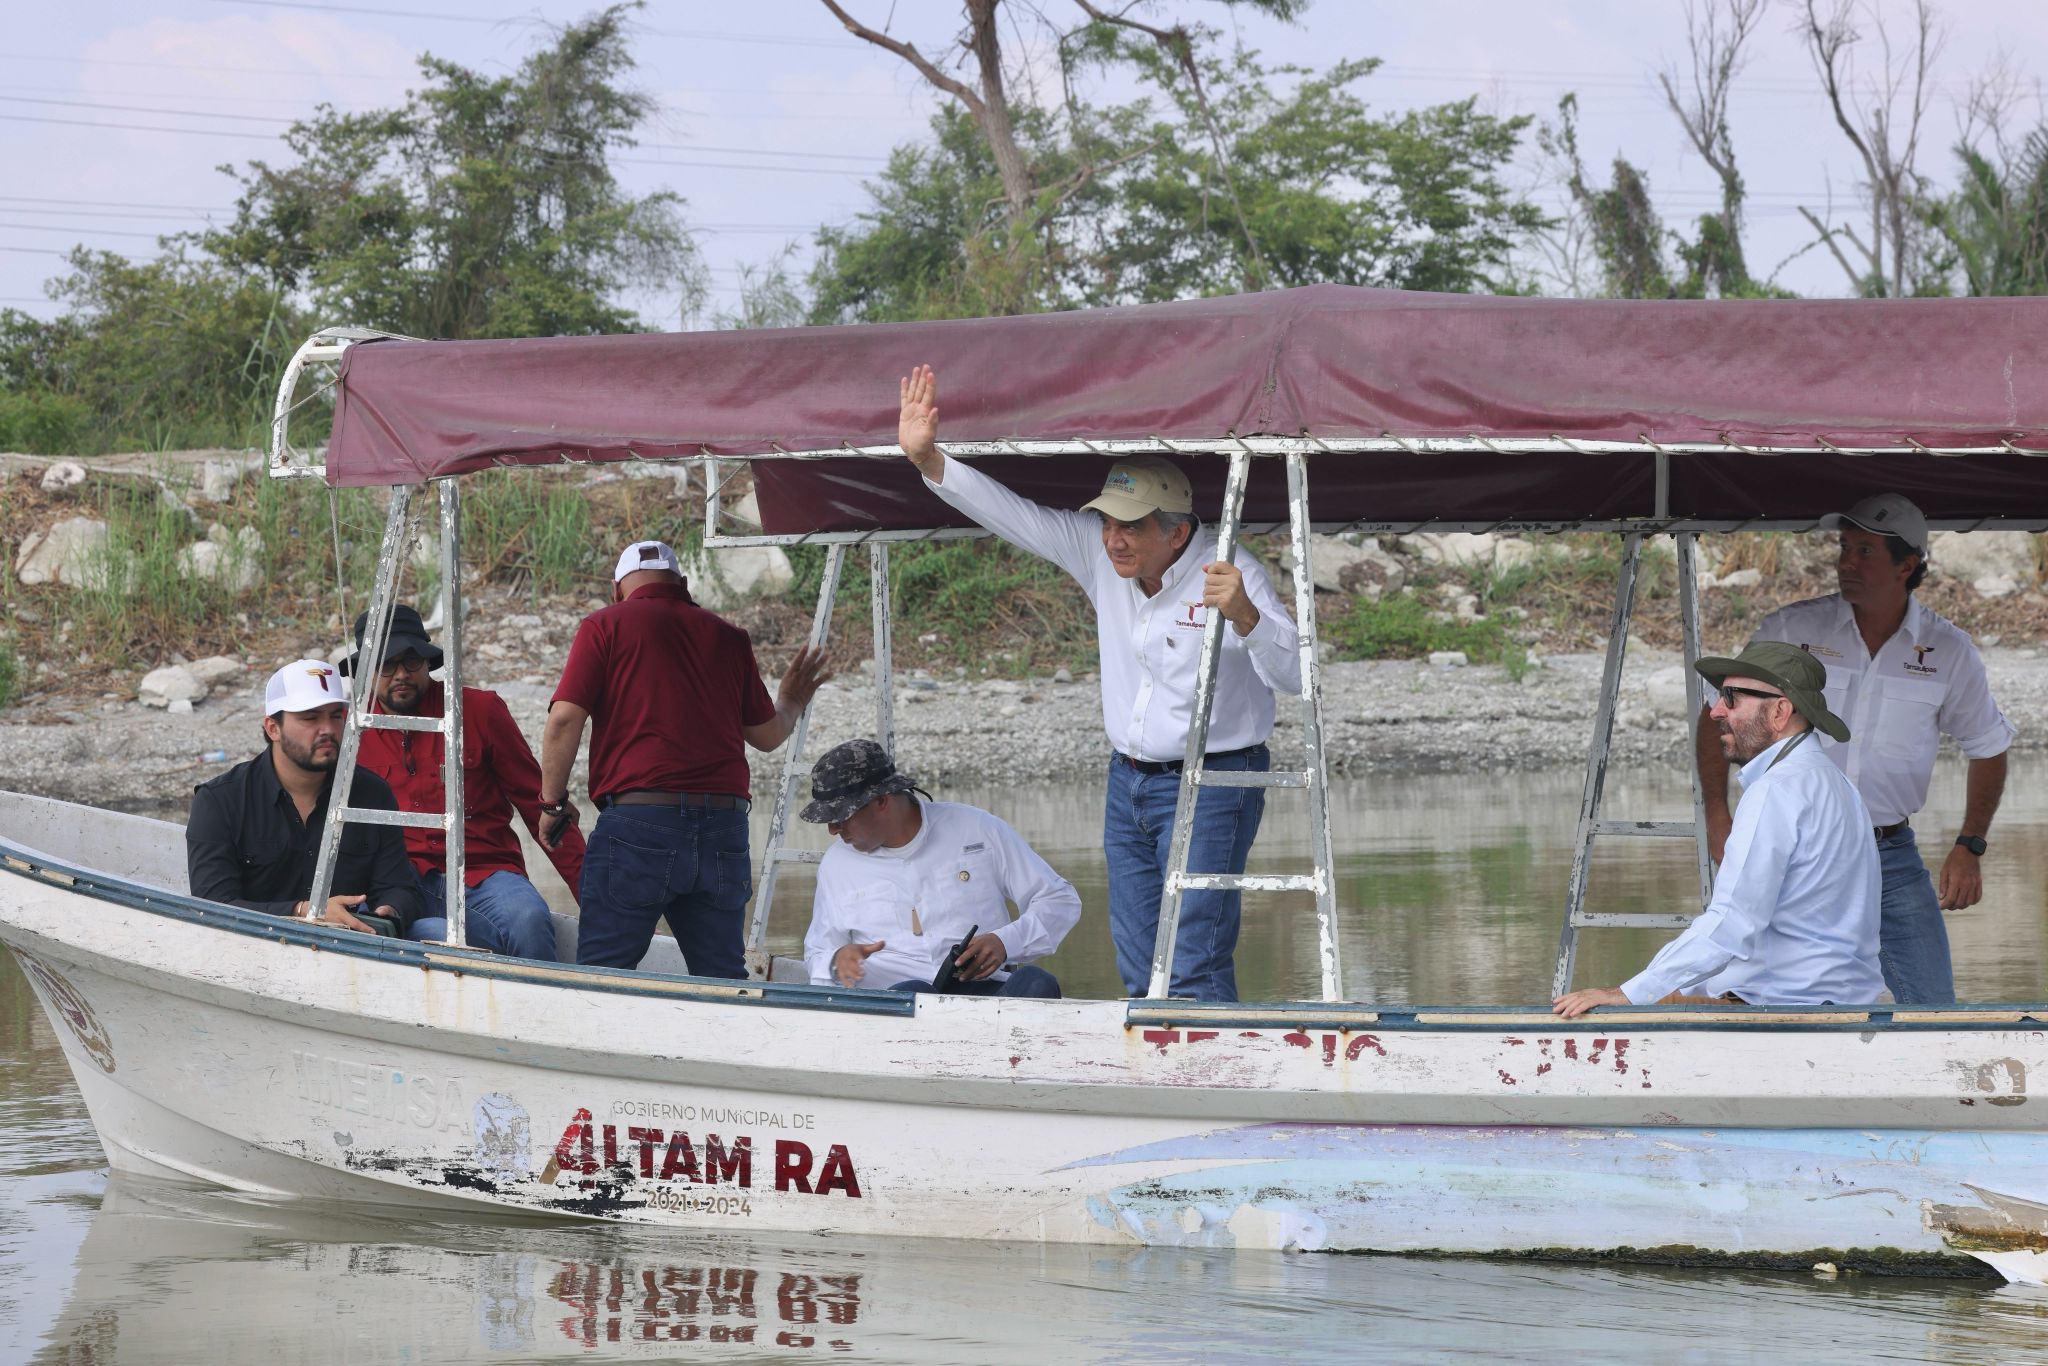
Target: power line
[142, 127]
[96, 232]
[103, 204]
[143, 109]
[702, 35]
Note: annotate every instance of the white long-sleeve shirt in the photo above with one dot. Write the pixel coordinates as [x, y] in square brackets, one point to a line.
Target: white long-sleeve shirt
[1151, 648]
[1927, 680]
[919, 900]
[1794, 916]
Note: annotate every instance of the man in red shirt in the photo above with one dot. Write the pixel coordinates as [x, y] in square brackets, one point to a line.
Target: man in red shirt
[506, 912]
[671, 693]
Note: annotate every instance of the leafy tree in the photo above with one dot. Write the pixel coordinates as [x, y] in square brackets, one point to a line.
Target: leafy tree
[176, 351]
[485, 207]
[1996, 222]
[1275, 182]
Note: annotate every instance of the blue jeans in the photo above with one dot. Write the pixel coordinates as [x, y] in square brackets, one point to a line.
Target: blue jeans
[1912, 938]
[505, 914]
[1026, 981]
[1137, 839]
[687, 863]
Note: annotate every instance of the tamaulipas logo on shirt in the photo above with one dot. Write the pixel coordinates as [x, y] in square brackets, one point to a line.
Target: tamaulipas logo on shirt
[1920, 664]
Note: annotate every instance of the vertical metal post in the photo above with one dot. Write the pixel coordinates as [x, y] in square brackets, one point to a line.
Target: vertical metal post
[376, 633]
[1689, 628]
[1317, 774]
[792, 760]
[885, 664]
[1596, 759]
[1198, 738]
[454, 808]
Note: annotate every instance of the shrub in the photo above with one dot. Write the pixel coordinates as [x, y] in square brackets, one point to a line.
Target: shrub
[1398, 627]
[41, 422]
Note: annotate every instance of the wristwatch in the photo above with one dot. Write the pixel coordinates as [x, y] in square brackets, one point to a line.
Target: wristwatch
[1974, 843]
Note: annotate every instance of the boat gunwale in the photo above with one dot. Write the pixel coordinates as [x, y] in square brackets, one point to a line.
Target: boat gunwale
[1340, 1017]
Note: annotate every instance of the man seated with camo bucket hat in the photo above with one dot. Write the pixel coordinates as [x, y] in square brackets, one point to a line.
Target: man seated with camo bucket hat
[907, 880]
[1794, 916]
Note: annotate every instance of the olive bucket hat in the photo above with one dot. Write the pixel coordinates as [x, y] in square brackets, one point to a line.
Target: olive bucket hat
[1791, 670]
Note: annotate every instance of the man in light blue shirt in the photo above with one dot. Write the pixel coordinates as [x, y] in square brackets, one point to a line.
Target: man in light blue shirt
[1794, 916]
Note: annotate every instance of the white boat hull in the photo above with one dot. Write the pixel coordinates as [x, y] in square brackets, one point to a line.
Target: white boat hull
[223, 1047]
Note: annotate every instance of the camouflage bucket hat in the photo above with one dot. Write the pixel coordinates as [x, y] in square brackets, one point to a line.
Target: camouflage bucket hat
[1789, 669]
[848, 777]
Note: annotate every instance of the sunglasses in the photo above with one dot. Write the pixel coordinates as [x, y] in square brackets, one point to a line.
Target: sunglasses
[1728, 695]
[406, 663]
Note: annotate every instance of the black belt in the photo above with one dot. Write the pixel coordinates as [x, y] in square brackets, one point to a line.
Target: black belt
[640, 796]
[1174, 765]
[1885, 832]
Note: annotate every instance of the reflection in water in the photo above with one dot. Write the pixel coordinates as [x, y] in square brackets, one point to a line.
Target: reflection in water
[1451, 890]
[169, 1274]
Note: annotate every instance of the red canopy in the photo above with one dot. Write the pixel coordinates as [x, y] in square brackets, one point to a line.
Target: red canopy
[1328, 361]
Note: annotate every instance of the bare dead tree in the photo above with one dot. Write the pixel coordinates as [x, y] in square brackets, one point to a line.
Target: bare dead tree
[1715, 32]
[1881, 117]
[990, 106]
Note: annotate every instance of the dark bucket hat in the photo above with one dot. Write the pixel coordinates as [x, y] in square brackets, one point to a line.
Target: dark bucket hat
[848, 777]
[408, 632]
[1792, 670]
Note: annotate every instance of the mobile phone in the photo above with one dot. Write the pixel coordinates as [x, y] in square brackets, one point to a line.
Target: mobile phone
[949, 969]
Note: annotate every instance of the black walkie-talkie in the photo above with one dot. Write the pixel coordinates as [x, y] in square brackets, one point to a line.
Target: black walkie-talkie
[949, 970]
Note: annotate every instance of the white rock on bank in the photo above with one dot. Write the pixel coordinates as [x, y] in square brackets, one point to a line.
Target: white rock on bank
[1448, 659]
[737, 574]
[172, 683]
[1974, 555]
[232, 560]
[215, 670]
[1995, 586]
[63, 475]
[73, 553]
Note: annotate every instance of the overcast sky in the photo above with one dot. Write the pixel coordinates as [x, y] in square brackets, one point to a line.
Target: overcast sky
[113, 117]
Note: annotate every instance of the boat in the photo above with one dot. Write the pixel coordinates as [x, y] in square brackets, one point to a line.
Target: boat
[283, 1059]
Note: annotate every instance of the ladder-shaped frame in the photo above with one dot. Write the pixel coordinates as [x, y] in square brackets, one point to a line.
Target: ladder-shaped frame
[376, 634]
[794, 766]
[1591, 825]
[1312, 776]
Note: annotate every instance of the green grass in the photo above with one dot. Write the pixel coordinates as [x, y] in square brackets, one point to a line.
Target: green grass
[10, 674]
[1400, 627]
[520, 525]
[990, 605]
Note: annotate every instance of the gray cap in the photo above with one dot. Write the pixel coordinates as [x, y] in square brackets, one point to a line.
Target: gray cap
[1887, 514]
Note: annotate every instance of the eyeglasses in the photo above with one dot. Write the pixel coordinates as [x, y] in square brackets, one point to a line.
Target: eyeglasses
[1728, 695]
[406, 663]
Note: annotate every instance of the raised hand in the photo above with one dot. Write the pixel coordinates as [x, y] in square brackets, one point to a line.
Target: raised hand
[917, 422]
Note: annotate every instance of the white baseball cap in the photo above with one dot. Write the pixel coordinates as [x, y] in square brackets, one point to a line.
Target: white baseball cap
[646, 555]
[1885, 514]
[304, 685]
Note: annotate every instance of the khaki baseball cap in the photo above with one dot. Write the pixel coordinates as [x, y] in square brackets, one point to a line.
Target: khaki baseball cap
[1141, 486]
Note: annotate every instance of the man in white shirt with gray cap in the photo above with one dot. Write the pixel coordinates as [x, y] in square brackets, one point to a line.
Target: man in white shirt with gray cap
[1152, 574]
[1902, 676]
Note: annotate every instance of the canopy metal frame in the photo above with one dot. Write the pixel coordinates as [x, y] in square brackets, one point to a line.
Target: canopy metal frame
[320, 357]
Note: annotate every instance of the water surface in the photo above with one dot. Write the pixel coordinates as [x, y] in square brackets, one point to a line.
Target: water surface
[1451, 890]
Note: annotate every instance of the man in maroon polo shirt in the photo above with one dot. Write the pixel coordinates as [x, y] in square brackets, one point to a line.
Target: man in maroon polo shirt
[506, 912]
[672, 694]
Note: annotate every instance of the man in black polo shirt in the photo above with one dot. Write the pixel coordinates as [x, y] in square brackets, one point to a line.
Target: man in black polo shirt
[254, 833]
